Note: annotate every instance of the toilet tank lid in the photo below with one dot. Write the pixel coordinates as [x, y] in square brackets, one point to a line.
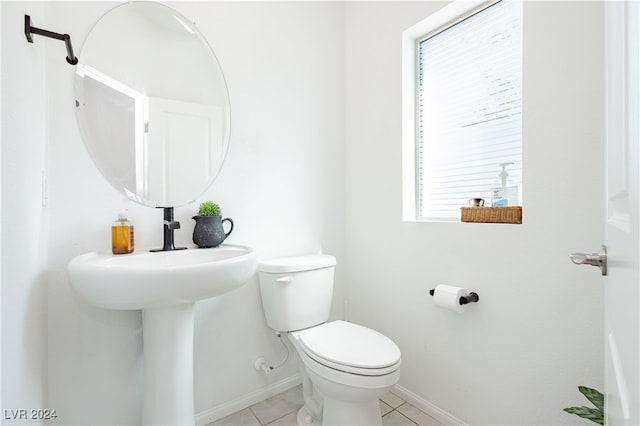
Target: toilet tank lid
[296, 264]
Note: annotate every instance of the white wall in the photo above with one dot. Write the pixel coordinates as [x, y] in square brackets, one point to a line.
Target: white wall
[282, 184]
[24, 219]
[517, 356]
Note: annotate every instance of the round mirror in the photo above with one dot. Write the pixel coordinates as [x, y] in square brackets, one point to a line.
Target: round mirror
[152, 104]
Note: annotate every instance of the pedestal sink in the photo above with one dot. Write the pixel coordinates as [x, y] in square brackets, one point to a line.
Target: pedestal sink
[165, 286]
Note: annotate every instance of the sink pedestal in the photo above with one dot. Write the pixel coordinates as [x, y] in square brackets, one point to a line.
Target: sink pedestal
[165, 286]
[168, 365]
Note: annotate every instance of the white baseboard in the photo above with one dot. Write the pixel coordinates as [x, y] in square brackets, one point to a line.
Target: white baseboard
[230, 407]
[434, 411]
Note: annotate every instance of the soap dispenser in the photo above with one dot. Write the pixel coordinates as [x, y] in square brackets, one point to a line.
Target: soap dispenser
[122, 235]
[506, 193]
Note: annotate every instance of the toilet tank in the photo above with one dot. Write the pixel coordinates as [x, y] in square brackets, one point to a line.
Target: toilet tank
[296, 291]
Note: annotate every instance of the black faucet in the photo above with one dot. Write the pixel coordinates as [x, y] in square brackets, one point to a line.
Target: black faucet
[169, 226]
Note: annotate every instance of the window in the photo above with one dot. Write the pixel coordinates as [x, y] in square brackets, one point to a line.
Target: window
[462, 112]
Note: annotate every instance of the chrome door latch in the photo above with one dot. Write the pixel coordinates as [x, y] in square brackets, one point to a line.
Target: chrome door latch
[593, 259]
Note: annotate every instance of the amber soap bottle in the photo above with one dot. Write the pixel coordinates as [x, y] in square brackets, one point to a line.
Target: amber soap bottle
[122, 235]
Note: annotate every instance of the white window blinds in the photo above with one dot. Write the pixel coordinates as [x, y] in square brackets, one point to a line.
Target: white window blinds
[469, 109]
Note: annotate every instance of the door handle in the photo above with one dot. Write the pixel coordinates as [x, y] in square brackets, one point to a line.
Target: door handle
[593, 259]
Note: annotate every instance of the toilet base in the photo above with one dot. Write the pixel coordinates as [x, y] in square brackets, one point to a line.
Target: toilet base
[343, 413]
[306, 419]
[338, 412]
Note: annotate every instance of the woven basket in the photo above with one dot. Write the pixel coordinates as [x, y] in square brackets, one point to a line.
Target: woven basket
[492, 214]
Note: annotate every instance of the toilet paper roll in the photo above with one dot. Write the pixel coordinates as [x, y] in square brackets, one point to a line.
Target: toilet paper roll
[448, 297]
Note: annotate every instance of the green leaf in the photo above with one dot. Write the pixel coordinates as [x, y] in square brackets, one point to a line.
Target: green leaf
[595, 397]
[209, 208]
[592, 414]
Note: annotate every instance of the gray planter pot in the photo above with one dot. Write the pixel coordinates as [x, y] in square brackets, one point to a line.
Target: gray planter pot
[209, 231]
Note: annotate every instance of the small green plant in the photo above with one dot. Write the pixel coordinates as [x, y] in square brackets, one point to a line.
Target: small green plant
[596, 415]
[209, 208]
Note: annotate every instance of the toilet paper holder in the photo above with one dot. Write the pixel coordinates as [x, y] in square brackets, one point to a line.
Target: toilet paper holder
[471, 298]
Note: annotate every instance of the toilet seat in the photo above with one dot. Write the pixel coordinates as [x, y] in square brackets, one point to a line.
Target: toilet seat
[351, 348]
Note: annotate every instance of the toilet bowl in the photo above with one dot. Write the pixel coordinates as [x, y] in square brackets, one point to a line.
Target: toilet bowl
[352, 366]
[345, 365]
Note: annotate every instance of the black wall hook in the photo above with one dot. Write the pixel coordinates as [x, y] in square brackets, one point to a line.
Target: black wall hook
[28, 30]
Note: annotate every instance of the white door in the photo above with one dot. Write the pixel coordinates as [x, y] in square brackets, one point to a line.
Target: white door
[622, 320]
[189, 134]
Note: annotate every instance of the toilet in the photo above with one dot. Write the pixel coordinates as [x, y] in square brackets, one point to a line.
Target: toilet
[345, 367]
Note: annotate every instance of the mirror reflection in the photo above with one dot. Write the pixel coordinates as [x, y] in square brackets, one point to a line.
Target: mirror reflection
[152, 104]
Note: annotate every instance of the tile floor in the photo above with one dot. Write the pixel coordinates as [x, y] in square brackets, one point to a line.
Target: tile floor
[282, 409]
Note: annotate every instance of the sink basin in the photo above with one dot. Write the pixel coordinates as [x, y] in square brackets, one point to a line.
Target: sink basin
[165, 286]
[143, 280]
